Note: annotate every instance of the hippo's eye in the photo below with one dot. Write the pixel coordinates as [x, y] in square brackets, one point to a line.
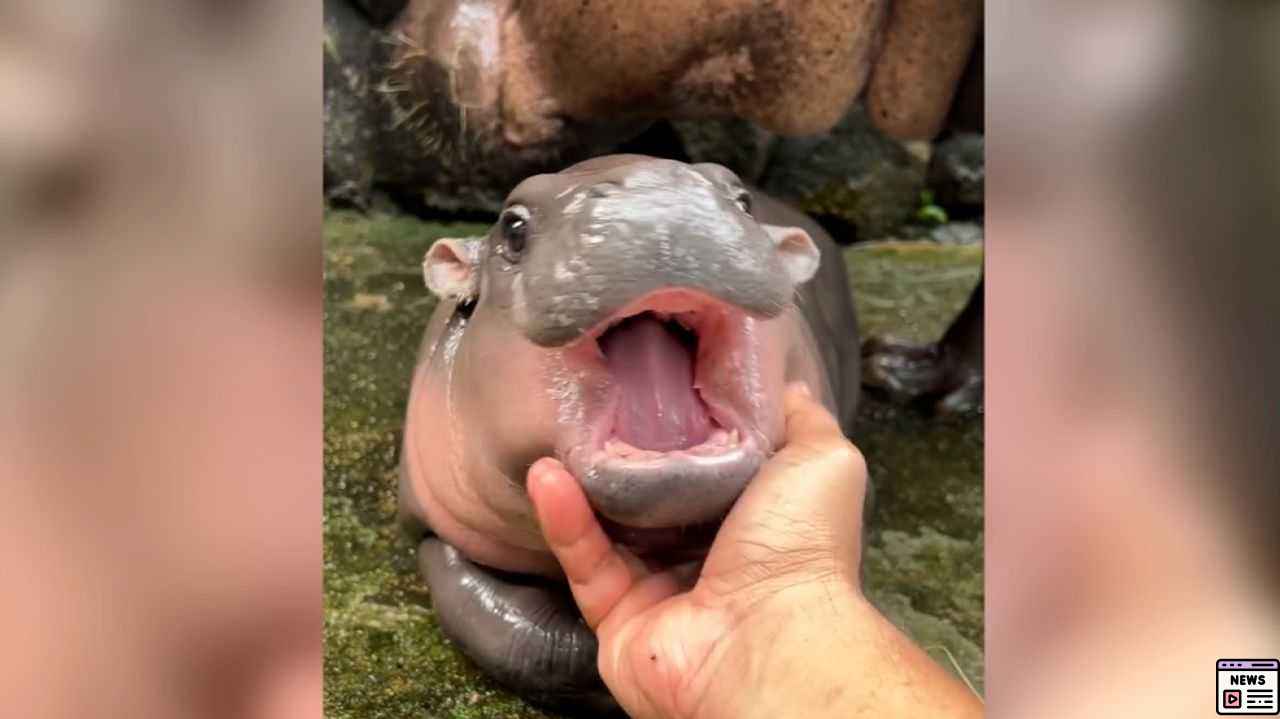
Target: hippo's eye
[514, 226]
[743, 201]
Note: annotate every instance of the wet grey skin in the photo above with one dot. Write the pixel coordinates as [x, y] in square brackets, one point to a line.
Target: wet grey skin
[525, 630]
[522, 631]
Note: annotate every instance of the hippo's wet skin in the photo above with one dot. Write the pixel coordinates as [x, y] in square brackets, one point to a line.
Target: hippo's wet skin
[638, 319]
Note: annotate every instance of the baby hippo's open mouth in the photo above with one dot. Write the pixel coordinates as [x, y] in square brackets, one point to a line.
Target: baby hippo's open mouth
[670, 453]
[659, 410]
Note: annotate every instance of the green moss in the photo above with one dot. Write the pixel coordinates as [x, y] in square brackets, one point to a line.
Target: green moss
[924, 562]
[938, 637]
[384, 654]
[929, 212]
[911, 290]
[875, 204]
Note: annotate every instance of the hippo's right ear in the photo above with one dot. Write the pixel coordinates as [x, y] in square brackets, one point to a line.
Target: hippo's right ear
[797, 251]
[451, 268]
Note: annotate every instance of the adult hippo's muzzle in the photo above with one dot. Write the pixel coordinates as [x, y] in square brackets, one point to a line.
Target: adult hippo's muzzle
[647, 282]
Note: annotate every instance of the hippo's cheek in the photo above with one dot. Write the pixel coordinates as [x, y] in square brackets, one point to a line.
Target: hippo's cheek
[667, 410]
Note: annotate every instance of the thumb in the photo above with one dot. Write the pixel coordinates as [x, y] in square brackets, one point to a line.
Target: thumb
[800, 518]
[810, 427]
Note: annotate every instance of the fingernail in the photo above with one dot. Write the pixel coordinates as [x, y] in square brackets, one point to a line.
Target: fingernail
[802, 388]
[537, 471]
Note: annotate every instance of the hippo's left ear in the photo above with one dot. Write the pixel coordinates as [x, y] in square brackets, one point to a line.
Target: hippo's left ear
[451, 268]
[797, 252]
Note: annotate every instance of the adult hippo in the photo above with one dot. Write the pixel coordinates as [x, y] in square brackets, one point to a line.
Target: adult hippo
[638, 319]
[452, 101]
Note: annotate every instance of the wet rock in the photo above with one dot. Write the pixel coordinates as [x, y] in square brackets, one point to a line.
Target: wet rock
[957, 233]
[855, 173]
[350, 121]
[958, 172]
[739, 145]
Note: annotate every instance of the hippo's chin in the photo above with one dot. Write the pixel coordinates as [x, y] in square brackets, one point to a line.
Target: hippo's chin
[664, 546]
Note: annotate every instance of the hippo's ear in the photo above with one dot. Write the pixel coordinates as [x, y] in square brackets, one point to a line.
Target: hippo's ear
[451, 268]
[797, 252]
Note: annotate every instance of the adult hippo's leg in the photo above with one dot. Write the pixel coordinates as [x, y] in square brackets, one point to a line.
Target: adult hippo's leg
[524, 631]
[950, 371]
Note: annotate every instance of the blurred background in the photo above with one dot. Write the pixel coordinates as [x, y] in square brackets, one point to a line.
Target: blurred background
[160, 360]
[160, 368]
[1132, 478]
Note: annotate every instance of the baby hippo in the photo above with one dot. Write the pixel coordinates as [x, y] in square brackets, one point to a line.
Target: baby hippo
[637, 319]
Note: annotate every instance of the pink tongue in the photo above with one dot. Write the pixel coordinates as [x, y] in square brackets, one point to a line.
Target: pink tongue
[658, 408]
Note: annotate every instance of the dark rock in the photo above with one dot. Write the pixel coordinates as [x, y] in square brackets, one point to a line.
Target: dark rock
[381, 11]
[968, 113]
[350, 125]
[739, 145]
[855, 174]
[957, 172]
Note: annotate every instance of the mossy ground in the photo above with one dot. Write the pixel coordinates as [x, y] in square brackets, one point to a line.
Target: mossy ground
[924, 563]
[385, 657]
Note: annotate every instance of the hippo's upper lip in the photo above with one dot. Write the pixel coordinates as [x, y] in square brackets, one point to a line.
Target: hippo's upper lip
[687, 307]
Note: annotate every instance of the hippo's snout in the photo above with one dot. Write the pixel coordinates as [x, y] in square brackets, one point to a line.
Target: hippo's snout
[601, 245]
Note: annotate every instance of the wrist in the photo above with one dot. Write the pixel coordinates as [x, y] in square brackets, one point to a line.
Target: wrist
[786, 654]
[824, 651]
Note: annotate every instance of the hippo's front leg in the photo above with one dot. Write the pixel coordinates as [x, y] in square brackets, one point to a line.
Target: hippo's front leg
[524, 631]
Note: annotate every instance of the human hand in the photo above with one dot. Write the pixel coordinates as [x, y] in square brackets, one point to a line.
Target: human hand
[774, 624]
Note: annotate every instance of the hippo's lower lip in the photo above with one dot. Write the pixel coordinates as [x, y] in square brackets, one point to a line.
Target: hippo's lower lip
[673, 489]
